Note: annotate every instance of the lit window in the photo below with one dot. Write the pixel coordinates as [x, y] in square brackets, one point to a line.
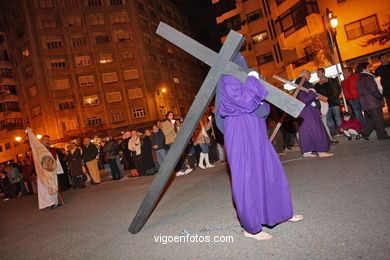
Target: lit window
[135, 93]
[139, 112]
[90, 100]
[109, 77]
[82, 61]
[113, 97]
[105, 58]
[176, 80]
[87, 80]
[25, 52]
[259, 37]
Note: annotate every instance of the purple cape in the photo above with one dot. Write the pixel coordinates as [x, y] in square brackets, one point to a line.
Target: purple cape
[260, 188]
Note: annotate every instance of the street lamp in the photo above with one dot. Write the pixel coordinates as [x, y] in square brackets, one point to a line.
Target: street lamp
[333, 22]
[18, 139]
[39, 137]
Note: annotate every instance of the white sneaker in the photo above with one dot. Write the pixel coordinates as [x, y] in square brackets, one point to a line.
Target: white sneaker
[180, 173]
[188, 171]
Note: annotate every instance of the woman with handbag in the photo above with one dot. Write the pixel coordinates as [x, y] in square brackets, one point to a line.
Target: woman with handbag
[203, 140]
[135, 144]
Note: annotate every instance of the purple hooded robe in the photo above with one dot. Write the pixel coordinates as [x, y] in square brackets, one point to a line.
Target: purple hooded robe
[260, 188]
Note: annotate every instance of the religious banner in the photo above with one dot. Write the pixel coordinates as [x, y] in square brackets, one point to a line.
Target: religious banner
[45, 164]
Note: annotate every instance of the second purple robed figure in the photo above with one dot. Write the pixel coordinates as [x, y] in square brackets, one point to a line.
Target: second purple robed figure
[259, 184]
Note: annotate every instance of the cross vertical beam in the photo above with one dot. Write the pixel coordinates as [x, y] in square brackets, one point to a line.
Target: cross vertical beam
[228, 51]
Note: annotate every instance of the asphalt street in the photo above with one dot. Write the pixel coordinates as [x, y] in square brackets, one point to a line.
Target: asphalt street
[345, 200]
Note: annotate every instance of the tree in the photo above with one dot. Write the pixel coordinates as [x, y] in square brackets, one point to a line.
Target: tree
[382, 36]
[318, 49]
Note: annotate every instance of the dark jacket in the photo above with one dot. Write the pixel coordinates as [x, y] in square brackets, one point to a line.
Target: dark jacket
[89, 152]
[111, 149]
[74, 162]
[158, 139]
[369, 95]
[331, 90]
[384, 72]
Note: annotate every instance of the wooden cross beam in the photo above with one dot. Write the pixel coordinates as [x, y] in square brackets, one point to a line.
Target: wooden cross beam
[220, 65]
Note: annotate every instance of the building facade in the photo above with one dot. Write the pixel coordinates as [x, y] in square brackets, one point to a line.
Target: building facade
[11, 119]
[285, 36]
[84, 66]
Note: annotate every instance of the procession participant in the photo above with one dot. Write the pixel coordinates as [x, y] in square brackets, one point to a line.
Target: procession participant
[350, 92]
[312, 134]
[383, 71]
[260, 189]
[47, 166]
[372, 102]
[330, 88]
[74, 159]
[90, 152]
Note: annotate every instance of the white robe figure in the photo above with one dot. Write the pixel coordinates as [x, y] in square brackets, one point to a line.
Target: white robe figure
[45, 199]
[47, 169]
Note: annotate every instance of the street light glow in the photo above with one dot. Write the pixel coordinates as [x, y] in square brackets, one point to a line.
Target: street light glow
[39, 137]
[18, 138]
[164, 90]
[334, 22]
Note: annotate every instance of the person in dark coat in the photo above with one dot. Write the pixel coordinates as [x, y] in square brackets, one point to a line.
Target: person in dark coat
[63, 179]
[372, 102]
[158, 144]
[146, 153]
[383, 71]
[126, 155]
[111, 149]
[74, 160]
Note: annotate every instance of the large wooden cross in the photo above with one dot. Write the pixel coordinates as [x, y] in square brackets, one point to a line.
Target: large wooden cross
[220, 65]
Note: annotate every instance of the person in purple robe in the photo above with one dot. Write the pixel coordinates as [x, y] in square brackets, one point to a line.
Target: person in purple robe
[260, 189]
[314, 140]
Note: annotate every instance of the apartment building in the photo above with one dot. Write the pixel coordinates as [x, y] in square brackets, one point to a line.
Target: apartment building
[11, 119]
[84, 66]
[285, 36]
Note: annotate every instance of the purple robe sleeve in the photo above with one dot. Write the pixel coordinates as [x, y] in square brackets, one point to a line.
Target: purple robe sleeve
[246, 97]
[308, 97]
